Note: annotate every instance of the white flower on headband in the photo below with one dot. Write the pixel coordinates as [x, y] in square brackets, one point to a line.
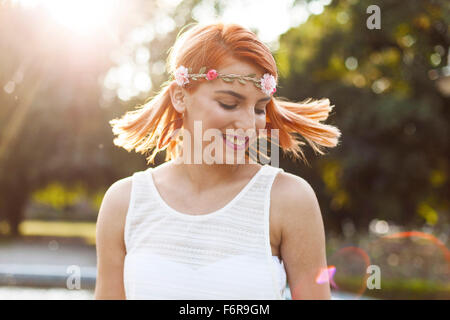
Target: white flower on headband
[181, 75]
[268, 84]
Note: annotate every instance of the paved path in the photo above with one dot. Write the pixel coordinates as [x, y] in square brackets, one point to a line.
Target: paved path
[46, 250]
[46, 262]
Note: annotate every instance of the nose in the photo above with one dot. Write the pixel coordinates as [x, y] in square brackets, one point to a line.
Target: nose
[246, 120]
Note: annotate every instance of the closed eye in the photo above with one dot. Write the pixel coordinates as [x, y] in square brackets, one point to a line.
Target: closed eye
[226, 106]
[230, 107]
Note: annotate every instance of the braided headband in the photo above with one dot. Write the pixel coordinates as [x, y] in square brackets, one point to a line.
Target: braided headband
[267, 83]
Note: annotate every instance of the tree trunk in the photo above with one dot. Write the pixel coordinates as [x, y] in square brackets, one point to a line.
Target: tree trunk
[15, 210]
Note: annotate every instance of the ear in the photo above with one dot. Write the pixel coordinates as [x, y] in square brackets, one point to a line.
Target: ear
[177, 97]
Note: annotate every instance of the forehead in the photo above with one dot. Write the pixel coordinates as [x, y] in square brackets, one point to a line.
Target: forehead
[240, 67]
[234, 66]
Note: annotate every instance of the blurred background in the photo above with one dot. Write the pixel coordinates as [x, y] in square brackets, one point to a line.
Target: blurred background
[68, 67]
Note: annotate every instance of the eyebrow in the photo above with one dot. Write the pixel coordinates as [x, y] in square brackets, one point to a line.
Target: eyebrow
[240, 96]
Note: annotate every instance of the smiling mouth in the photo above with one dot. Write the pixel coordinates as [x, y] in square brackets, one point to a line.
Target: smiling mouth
[237, 143]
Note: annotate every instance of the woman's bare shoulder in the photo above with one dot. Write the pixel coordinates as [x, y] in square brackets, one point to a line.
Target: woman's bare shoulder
[119, 192]
[114, 206]
[292, 196]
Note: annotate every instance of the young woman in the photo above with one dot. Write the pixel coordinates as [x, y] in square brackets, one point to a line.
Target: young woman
[214, 229]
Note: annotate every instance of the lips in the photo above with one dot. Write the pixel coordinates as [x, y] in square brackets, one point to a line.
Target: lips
[236, 142]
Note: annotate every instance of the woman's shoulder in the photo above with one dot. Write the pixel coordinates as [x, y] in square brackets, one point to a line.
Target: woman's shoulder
[119, 189]
[115, 202]
[290, 184]
[292, 196]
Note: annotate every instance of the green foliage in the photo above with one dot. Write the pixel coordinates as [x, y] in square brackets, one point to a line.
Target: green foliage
[57, 196]
[391, 113]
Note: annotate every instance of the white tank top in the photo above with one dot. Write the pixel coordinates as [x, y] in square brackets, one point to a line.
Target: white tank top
[221, 255]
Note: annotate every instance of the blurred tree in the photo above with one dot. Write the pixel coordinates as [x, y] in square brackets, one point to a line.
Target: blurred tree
[394, 154]
[52, 124]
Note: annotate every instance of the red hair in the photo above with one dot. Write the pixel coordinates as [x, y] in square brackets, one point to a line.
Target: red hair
[211, 46]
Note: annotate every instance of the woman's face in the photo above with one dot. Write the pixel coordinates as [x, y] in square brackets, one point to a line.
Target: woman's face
[220, 105]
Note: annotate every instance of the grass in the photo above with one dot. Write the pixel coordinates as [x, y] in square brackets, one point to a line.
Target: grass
[392, 289]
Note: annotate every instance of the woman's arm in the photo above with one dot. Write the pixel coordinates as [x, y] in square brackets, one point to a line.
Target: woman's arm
[302, 236]
[110, 241]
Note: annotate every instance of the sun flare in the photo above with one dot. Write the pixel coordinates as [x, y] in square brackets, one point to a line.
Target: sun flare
[80, 16]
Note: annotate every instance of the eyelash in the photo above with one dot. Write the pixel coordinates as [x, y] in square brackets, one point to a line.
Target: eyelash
[228, 107]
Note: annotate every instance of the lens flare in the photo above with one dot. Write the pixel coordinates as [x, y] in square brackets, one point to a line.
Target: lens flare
[423, 235]
[354, 261]
[326, 275]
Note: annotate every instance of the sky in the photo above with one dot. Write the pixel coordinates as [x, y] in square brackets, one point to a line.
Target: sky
[271, 18]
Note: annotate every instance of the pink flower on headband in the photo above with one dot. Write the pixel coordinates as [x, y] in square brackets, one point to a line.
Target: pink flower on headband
[181, 75]
[212, 74]
[268, 84]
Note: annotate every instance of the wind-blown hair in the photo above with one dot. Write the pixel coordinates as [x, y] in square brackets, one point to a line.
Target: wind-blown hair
[211, 46]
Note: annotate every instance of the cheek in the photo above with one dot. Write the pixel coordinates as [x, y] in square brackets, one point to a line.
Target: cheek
[260, 121]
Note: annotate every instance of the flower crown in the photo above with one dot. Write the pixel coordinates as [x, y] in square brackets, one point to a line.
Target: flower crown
[267, 83]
